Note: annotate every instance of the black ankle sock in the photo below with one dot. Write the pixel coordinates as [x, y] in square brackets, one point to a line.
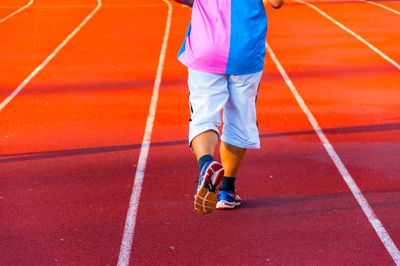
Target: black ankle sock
[203, 159]
[228, 184]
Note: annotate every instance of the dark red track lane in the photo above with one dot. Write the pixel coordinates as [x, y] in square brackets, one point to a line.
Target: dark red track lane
[70, 140]
[296, 208]
[353, 92]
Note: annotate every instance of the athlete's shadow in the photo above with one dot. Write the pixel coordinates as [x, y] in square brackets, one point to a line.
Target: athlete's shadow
[340, 130]
[317, 204]
[27, 156]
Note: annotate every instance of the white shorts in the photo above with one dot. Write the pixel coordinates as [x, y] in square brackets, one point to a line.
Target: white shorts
[209, 93]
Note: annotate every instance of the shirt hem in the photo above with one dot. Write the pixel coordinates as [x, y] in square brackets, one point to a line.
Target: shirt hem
[221, 71]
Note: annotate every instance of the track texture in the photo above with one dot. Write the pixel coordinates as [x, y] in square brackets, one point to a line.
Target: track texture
[70, 140]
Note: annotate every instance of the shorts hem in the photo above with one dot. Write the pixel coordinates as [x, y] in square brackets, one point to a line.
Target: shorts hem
[241, 144]
[201, 129]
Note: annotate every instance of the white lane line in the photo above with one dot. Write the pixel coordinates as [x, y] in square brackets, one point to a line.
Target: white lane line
[129, 229]
[362, 201]
[382, 6]
[48, 59]
[16, 12]
[358, 37]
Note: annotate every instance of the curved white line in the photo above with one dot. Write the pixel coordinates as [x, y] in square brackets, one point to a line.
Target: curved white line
[382, 6]
[48, 59]
[16, 12]
[358, 37]
[358, 195]
[129, 229]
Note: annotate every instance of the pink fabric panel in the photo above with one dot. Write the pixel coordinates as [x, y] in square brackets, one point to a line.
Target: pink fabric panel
[207, 46]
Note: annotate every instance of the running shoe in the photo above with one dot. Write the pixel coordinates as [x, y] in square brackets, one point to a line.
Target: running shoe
[210, 176]
[228, 200]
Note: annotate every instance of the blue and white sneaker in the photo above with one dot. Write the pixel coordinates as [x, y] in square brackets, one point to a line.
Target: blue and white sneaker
[210, 176]
[228, 200]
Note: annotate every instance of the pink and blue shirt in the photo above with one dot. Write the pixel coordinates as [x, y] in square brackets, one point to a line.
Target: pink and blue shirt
[226, 37]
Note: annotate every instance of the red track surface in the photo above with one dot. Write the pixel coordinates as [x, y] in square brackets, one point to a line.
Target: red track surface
[70, 140]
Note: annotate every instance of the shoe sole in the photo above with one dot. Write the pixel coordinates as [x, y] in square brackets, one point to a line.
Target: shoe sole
[225, 205]
[206, 199]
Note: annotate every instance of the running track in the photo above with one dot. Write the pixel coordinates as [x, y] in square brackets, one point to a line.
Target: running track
[71, 139]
